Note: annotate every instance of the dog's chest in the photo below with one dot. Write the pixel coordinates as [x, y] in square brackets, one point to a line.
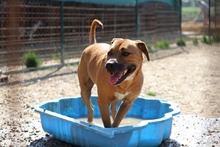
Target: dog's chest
[121, 96]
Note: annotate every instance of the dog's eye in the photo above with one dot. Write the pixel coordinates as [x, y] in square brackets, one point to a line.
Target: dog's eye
[125, 54]
[110, 53]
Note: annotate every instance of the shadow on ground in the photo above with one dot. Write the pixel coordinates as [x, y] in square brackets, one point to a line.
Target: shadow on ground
[49, 141]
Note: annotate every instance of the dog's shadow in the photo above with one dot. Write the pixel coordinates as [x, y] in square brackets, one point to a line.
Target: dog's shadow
[49, 141]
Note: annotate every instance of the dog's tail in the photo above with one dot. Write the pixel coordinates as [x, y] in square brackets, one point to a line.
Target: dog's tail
[92, 33]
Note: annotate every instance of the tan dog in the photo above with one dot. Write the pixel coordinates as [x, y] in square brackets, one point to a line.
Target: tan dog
[116, 70]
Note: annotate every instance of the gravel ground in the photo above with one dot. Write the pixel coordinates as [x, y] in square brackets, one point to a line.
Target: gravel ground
[190, 77]
[187, 130]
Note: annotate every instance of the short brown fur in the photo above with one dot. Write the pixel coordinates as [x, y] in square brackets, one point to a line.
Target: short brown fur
[93, 69]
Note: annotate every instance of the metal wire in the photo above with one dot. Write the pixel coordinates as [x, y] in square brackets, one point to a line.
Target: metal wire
[58, 30]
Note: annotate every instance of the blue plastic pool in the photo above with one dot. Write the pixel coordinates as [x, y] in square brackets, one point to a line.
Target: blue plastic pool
[59, 117]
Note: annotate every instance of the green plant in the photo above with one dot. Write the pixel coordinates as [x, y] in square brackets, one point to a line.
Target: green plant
[162, 44]
[31, 60]
[151, 93]
[216, 38]
[181, 42]
[207, 40]
[195, 41]
[150, 47]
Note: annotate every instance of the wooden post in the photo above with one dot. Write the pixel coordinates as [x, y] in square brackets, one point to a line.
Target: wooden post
[12, 33]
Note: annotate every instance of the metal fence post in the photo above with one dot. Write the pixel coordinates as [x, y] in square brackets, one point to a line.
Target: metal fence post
[180, 17]
[62, 31]
[209, 18]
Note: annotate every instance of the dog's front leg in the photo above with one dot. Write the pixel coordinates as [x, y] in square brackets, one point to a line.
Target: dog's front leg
[113, 108]
[124, 108]
[104, 110]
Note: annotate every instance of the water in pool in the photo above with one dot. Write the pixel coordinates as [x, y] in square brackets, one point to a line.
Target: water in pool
[127, 121]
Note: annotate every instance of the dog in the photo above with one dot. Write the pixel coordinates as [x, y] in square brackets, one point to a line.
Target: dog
[116, 69]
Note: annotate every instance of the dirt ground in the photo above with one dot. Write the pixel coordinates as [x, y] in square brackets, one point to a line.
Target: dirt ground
[190, 26]
[189, 76]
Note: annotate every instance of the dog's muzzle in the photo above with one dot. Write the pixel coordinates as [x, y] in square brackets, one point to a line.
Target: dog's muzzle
[119, 72]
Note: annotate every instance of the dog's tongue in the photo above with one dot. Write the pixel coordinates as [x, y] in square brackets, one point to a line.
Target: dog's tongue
[115, 77]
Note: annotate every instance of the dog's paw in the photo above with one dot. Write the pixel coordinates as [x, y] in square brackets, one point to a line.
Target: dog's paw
[96, 124]
[93, 123]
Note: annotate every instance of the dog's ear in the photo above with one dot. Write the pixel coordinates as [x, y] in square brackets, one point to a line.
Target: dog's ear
[142, 46]
[113, 40]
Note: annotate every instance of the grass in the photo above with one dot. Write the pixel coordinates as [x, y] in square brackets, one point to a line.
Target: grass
[162, 44]
[181, 42]
[213, 39]
[189, 13]
[31, 60]
[207, 40]
[150, 47]
[151, 93]
[195, 41]
[216, 38]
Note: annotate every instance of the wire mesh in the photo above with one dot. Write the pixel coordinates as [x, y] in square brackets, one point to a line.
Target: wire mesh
[216, 18]
[58, 31]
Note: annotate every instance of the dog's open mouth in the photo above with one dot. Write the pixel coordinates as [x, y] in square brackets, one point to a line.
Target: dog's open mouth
[118, 77]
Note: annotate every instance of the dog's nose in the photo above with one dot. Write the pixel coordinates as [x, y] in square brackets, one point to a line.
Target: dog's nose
[113, 66]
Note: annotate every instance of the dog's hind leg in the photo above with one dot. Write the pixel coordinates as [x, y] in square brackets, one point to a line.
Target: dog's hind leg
[86, 88]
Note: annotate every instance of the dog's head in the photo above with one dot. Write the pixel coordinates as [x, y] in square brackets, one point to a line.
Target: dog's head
[124, 59]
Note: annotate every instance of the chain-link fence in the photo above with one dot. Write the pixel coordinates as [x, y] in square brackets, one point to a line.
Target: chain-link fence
[201, 16]
[215, 7]
[57, 31]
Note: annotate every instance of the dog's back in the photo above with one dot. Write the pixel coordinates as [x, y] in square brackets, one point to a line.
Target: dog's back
[88, 60]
